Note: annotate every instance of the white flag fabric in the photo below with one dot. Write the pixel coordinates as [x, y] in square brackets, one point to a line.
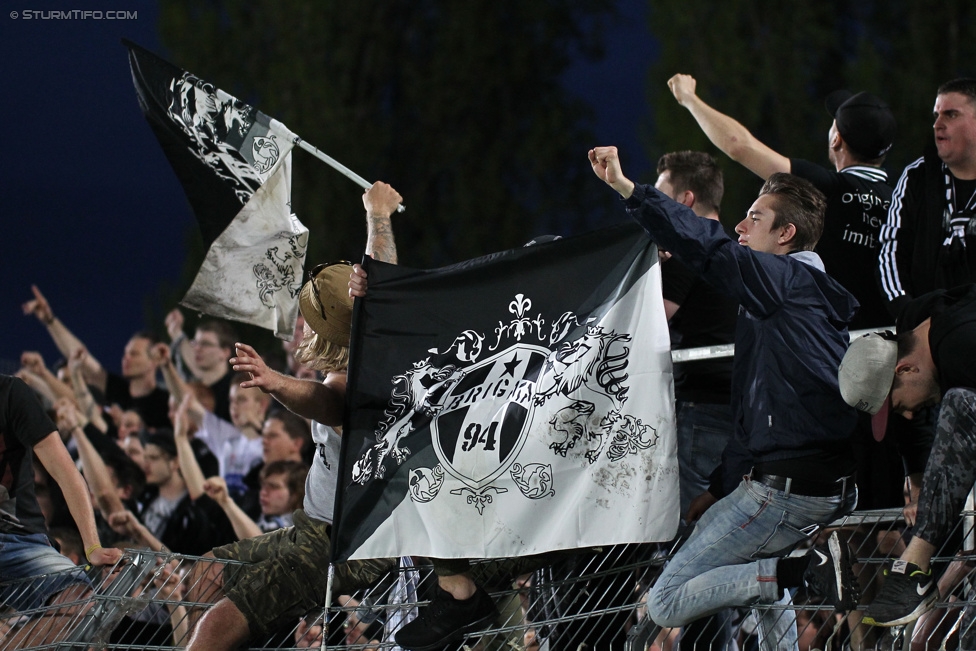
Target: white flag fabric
[253, 270]
[511, 405]
[234, 163]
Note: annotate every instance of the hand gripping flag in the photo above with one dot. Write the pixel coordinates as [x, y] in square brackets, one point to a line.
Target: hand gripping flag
[510, 405]
[235, 166]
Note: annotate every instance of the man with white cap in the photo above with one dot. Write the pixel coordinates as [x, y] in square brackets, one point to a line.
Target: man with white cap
[929, 362]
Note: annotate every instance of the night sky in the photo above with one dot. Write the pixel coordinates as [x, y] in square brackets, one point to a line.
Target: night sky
[92, 212]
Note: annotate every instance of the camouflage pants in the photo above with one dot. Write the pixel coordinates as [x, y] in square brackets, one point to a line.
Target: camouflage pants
[951, 469]
[286, 572]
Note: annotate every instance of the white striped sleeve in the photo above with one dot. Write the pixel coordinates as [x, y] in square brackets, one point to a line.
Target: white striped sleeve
[893, 278]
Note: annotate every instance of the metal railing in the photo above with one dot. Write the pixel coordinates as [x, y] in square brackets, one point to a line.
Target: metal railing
[595, 599]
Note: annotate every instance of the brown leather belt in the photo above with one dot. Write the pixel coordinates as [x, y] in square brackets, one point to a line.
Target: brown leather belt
[805, 487]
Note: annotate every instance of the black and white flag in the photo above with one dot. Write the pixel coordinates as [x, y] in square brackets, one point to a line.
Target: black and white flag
[235, 166]
[513, 404]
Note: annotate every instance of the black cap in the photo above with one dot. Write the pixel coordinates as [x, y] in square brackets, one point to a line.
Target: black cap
[164, 440]
[864, 121]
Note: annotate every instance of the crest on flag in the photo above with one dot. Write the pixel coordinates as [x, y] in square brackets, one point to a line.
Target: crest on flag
[235, 166]
[522, 411]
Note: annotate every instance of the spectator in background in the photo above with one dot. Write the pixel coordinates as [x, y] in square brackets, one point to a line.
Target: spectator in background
[698, 315]
[284, 437]
[169, 517]
[929, 239]
[204, 357]
[136, 388]
[282, 491]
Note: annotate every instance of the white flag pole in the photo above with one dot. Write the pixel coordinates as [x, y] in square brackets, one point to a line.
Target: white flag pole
[342, 169]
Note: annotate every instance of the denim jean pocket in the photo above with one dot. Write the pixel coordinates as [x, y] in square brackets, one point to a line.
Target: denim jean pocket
[783, 539]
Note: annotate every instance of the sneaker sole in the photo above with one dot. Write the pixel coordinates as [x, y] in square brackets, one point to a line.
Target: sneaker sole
[454, 636]
[922, 608]
[843, 573]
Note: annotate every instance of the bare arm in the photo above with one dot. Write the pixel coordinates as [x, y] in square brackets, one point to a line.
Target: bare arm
[244, 526]
[71, 420]
[324, 402]
[380, 201]
[189, 468]
[171, 589]
[176, 386]
[180, 343]
[127, 524]
[63, 338]
[82, 396]
[34, 363]
[727, 133]
[56, 460]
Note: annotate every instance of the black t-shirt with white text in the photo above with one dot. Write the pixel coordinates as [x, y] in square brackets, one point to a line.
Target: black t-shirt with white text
[857, 207]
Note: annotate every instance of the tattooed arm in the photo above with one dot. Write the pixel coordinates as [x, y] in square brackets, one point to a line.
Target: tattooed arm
[381, 201]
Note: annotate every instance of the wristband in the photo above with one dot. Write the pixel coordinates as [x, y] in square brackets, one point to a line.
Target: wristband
[90, 549]
[49, 321]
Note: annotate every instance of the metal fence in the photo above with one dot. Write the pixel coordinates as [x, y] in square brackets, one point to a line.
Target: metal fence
[592, 600]
[151, 600]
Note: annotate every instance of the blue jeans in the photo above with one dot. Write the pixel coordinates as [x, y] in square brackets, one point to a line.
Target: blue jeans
[27, 556]
[730, 558]
[703, 431]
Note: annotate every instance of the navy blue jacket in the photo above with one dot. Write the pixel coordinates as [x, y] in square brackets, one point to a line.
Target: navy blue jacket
[790, 335]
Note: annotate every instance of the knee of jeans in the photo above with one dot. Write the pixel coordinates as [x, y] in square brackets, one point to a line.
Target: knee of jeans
[660, 606]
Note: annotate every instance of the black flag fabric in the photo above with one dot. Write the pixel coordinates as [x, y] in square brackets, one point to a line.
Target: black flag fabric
[234, 163]
[513, 404]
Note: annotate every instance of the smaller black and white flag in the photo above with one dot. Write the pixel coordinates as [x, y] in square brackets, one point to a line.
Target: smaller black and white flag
[235, 166]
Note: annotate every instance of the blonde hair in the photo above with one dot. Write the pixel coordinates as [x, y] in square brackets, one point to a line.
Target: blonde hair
[320, 354]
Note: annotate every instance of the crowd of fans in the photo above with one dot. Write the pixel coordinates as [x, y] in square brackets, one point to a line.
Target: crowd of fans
[182, 454]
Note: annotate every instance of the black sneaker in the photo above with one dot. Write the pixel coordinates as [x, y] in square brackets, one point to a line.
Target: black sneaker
[446, 620]
[906, 594]
[830, 575]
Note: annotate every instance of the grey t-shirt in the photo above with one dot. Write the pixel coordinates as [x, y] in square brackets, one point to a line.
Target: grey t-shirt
[320, 485]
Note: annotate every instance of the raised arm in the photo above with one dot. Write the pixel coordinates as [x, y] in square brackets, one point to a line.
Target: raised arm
[757, 281]
[72, 421]
[189, 468]
[605, 162]
[180, 344]
[381, 201]
[63, 338]
[34, 363]
[244, 526]
[321, 401]
[727, 133]
[82, 396]
[175, 384]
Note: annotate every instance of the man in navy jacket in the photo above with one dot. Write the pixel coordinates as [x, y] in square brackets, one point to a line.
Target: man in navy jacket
[792, 426]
